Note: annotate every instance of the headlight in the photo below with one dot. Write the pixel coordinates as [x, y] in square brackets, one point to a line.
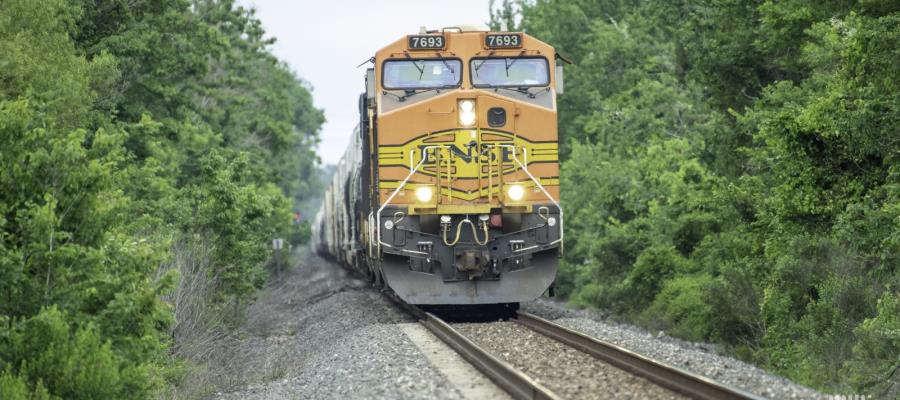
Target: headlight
[467, 112]
[424, 194]
[515, 192]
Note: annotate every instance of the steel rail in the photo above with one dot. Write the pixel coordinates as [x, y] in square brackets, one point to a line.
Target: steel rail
[513, 381]
[676, 379]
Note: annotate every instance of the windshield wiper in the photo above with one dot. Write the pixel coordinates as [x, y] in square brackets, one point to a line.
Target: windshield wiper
[479, 66]
[412, 92]
[520, 90]
[421, 69]
[446, 64]
[509, 65]
[525, 90]
[482, 63]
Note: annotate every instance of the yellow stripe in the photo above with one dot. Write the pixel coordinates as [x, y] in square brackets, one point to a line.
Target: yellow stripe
[463, 195]
[411, 154]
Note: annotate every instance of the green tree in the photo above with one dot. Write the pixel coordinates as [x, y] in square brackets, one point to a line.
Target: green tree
[76, 289]
[164, 121]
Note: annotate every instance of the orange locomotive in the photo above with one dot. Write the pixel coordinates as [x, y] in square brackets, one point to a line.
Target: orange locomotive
[449, 190]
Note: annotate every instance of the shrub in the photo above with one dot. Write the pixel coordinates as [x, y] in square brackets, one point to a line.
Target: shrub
[15, 387]
[652, 268]
[684, 307]
[300, 233]
[875, 365]
[69, 361]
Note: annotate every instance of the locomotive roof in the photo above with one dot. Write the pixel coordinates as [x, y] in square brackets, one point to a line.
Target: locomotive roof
[465, 43]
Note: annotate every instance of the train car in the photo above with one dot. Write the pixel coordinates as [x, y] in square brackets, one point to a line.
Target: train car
[449, 191]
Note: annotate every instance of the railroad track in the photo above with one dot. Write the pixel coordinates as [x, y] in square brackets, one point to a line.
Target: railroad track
[676, 379]
[513, 381]
[521, 386]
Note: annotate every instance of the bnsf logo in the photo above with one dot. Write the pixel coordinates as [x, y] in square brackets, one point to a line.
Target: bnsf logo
[467, 153]
[467, 159]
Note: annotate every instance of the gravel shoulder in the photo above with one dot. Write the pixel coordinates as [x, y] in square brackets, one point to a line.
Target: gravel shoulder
[321, 334]
[700, 358]
[567, 372]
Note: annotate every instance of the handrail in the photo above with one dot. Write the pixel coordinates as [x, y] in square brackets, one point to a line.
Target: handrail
[538, 183]
[371, 232]
[397, 190]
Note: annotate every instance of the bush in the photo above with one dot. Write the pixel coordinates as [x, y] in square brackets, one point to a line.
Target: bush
[684, 307]
[652, 268]
[70, 362]
[875, 365]
[15, 387]
[300, 233]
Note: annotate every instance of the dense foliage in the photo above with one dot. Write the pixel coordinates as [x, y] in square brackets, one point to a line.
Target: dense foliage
[127, 127]
[732, 173]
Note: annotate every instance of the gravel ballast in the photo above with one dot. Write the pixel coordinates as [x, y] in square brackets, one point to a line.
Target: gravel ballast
[565, 371]
[699, 358]
[323, 335]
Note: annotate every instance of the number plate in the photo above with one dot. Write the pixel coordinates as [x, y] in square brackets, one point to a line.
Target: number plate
[506, 40]
[429, 42]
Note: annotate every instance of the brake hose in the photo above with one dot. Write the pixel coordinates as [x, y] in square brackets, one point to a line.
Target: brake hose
[459, 231]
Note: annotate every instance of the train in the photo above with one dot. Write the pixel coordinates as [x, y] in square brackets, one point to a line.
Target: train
[448, 193]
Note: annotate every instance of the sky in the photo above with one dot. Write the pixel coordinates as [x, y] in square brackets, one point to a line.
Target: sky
[324, 41]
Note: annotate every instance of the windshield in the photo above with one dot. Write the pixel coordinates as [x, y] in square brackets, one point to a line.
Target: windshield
[510, 72]
[421, 74]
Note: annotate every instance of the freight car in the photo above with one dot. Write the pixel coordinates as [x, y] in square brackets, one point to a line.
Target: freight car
[448, 193]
